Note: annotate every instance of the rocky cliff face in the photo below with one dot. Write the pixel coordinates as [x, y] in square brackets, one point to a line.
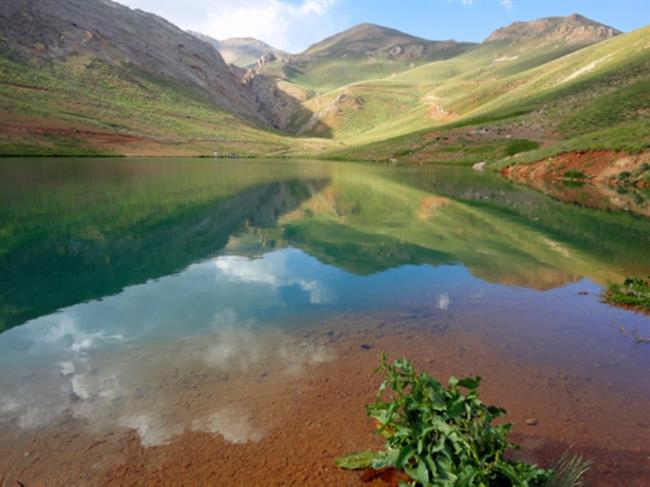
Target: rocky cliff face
[573, 30]
[50, 30]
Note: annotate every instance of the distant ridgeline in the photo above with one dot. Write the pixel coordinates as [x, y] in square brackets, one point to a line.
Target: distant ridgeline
[93, 77]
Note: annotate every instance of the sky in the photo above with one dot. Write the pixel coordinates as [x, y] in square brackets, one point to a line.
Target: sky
[293, 25]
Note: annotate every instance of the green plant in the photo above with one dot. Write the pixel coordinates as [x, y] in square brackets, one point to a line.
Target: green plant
[520, 145]
[575, 174]
[444, 436]
[633, 292]
[568, 471]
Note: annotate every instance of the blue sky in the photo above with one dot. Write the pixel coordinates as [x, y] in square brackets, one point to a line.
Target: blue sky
[295, 24]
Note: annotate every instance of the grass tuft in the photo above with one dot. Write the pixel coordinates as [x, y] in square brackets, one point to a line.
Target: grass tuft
[634, 292]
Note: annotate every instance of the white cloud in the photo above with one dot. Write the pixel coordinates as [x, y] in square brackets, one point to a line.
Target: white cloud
[288, 25]
[507, 4]
[230, 423]
[271, 270]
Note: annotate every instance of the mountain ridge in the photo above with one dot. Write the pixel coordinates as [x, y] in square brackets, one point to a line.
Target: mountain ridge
[385, 39]
[136, 43]
[373, 50]
[573, 29]
[242, 51]
[94, 77]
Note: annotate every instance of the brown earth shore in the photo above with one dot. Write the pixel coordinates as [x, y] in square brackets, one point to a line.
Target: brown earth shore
[597, 179]
[307, 418]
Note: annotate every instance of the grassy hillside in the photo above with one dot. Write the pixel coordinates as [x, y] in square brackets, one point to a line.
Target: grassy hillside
[363, 52]
[81, 106]
[96, 77]
[594, 98]
[440, 92]
[532, 90]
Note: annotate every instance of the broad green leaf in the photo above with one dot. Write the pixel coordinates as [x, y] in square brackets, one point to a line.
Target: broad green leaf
[422, 473]
[358, 460]
[470, 382]
[405, 455]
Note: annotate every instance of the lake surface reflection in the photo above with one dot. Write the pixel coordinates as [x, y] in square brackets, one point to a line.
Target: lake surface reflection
[129, 286]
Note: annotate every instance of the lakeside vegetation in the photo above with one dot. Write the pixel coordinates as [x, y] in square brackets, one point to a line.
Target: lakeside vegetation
[438, 436]
[633, 292]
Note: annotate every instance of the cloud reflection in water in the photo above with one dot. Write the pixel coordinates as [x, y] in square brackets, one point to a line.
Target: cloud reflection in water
[127, 360]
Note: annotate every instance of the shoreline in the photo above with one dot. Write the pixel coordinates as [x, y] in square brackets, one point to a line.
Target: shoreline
[297, 422]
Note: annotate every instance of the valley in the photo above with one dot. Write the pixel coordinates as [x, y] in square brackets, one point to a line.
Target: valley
[209, 241]
[529, 92]
[401, 85]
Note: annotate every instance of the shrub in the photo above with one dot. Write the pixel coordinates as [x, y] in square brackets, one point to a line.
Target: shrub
[575, 174]
[520, 145]
[444, 436]
[633, 292]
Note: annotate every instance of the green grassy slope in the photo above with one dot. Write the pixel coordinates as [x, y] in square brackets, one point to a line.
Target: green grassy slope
[363, 52]
[436, 93]
[522, 95]
[83, 107]
[596, 97]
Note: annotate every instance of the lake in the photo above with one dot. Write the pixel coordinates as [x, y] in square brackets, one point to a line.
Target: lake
[210, 322]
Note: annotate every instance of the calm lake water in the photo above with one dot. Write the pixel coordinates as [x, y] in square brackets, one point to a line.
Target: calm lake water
[119, 279]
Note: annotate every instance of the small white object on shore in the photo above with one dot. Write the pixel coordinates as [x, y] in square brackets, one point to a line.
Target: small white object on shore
[479, 166]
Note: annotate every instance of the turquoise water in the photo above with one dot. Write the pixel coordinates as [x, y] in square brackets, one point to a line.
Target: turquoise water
[116, 272]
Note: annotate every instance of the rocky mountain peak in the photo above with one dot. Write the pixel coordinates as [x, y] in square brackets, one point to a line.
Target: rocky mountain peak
[574, 29]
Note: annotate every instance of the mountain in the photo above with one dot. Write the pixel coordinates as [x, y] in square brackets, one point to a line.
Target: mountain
[86, 77]
[441, 91]
[583, 113]
[574, 30]
[104, 31]
[243, 51]
[376, 41]
[363, 52]
[84, 69]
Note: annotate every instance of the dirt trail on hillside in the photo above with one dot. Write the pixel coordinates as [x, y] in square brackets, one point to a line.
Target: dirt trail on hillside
[436, 111]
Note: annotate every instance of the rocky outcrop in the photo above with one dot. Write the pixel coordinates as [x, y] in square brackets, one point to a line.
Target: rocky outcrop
[574, 30]
[273, 103]
[598, 179]
[325, 116]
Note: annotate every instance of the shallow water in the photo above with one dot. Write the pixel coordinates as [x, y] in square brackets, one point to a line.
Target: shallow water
[156, 299]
